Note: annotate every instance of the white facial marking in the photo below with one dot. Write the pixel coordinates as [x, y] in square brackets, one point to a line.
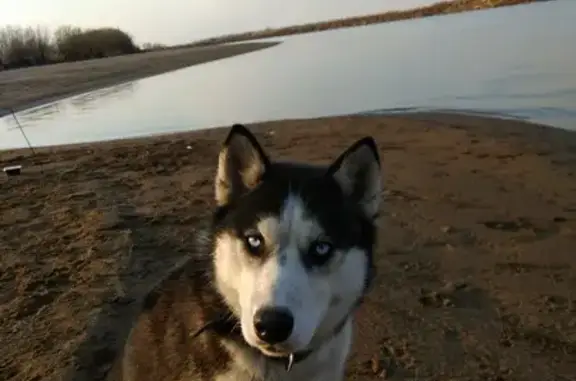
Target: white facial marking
[318, 299]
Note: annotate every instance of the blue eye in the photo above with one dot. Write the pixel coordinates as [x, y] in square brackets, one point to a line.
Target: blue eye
[322, 248]
[254, 243]
[320, 252]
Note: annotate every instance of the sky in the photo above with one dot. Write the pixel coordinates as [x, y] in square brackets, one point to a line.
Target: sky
[182, 21]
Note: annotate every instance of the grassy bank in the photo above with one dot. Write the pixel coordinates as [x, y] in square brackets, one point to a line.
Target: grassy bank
[441, 8]
[28, 46]
[23, 88]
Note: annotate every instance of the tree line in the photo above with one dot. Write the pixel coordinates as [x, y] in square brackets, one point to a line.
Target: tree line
[32, 46]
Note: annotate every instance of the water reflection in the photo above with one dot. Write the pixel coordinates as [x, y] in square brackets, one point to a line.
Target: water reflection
[77, 104]
[36, 114]
[94, 99]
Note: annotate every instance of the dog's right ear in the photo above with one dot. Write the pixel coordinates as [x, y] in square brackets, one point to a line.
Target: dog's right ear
[241, 165]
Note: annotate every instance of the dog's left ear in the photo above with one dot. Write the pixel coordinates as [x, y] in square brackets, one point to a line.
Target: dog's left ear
[241, 165]
[357, 171]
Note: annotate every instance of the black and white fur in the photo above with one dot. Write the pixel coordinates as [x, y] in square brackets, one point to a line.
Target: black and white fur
[271, 297]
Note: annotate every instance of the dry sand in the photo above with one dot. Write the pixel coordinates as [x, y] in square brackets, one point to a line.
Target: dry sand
[23, 88]
[476, 260]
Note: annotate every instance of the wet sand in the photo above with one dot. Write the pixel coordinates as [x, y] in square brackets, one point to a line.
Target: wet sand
[476, 266]
[24, 88]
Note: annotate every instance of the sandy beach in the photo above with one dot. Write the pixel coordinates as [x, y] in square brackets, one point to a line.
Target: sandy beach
[28, 87]
[476, 267]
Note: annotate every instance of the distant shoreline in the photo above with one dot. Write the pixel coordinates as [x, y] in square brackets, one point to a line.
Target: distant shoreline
[34, 86]
[437, 9]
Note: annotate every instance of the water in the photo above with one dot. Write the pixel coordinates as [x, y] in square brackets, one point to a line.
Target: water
[516, 61]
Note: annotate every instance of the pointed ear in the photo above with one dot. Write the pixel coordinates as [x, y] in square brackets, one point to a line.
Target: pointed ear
[357, 171]
[241, 165]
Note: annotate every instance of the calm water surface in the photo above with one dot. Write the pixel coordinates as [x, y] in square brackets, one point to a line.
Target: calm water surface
[517, 61]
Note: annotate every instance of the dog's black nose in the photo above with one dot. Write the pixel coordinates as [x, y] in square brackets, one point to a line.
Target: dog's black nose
[273, 325]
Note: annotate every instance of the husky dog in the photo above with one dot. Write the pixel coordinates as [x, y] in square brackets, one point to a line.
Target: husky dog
[272, 293]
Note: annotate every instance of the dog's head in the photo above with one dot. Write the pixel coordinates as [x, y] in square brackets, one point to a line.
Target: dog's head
[293, 243]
